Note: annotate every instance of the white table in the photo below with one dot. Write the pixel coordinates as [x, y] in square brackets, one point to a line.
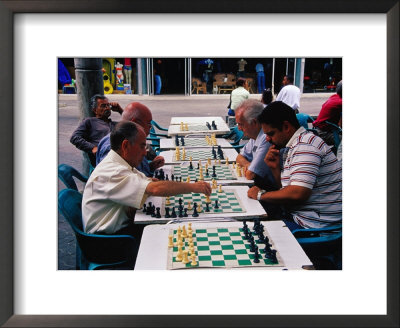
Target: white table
[153, 250]
[196, 120]
[222, 128]
[169, 155]
[252, 208]
[240, 180]
[170, 143]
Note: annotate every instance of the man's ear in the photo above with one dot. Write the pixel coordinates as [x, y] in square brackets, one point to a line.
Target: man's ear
[285, 126]
[124, 146]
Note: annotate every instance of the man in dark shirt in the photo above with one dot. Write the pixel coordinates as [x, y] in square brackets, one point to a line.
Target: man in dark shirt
[92, 129]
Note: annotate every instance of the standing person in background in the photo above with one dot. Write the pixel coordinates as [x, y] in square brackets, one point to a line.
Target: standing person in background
[241, 63]
[158, 71]
[260, 77]
[289, 94]
[128, 71]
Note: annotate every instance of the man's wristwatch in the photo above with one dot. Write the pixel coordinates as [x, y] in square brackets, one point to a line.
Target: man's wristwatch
[261, 191]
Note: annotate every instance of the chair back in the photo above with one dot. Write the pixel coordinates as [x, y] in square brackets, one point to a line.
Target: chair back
[70, 205]
[304, 119]
[67, 173]
[237, 136]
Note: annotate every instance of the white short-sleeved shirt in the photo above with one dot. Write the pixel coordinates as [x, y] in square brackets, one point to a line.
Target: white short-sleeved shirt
[238, 96]
[112, 189]
[290, 95]
[310, 163]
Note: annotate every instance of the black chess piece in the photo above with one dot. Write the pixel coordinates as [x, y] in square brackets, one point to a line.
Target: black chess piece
[213, 124]
[180, 201]
[261, 238]
[173, 214]
[158, 214]
[176, 140]
[214, 175]
[149, 208]
[252, 246]
[195, 213]
[190, 166]
[153, 211]
[207, 207]
[198, 166]
[207, 174]
[167, 213]
[180, 179]
[256, 256]
[172, 177]
[162, 174]
[182, 141]
[195, 180]
[144, 208]
[166, 177]
[185, 215]
[208, 125]
[180, 214]
[216, 204]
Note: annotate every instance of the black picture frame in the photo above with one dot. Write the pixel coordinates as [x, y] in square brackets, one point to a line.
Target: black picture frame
[7, 172]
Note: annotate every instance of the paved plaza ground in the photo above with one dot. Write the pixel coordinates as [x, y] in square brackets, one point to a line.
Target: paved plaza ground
[163, 108]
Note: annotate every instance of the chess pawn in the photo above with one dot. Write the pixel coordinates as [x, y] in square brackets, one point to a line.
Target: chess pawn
[188, 179]
[184, 232]
[227, 161]
[214, 184]
[193, 257]
[179, 254]
[181, 126]
[199, 209]
[219, 188]
[206, 166]
[170, 241]
[167, 201]
[186, 127]
[201, 176]
[208, 200]
[209, 161]
[219, 161]
[179, 230]
[234, 165]
[189, 206]
[190, 226]
[185, 259]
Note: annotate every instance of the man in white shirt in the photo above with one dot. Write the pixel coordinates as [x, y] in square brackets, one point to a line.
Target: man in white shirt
[116, 189]
[289, 94]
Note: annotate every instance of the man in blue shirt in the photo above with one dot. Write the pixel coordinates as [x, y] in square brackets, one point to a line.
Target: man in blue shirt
[253, 153]
[140, 114]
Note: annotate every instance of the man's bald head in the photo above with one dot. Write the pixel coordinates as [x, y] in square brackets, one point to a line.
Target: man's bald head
[138, 113]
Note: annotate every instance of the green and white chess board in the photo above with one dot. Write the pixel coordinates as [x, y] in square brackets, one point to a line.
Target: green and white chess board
[198, 128]
[221, 248]
[222, 171]
[198, 155]
[194, 142]
[228, 202]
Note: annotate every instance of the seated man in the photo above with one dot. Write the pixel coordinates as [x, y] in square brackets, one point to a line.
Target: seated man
[252, 154]
[311, 178]
[238, 96]
[331, 111]
[289, 94]
[116, 189]
[90, 131]
[140, 114]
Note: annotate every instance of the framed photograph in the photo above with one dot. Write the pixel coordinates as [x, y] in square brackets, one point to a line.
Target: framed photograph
[34, 293]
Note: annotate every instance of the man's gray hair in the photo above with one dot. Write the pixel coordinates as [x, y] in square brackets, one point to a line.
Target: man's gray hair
[251, 109]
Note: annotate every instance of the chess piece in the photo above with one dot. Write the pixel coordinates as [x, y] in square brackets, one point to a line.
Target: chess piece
[167, 201]
[199, 209]
[144, 208]
[173, 214]
[182, 126]
[186, 127]
[208, 200]
[216, 204]
[191, 164]
[219, 188]
[208, 207]
[188, 179]
[182, 141]
[189, 206]
[184, 232]
[179, 255]
[193, 257]
[227, 161]
[176, 140]
[195, 213]
[167, 215]
[185, 215]
[158, 214]
[170, 241]
[209, 161]
[214, 175]
[185, 259]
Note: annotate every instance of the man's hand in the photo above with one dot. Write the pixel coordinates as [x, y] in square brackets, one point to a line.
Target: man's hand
[115, 107]
[272, 158]
[252, 193]
[157, 162]
[94, 150]
[202, 187]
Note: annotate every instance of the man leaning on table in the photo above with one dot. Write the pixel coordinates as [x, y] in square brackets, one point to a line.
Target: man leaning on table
[116, 189]
[311, 178]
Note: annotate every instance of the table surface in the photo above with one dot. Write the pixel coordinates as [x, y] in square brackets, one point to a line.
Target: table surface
[169, 155]
[196, 120]
[222, 128]
[153, 250]
[253, 209]
[240, 180]
[170, 143]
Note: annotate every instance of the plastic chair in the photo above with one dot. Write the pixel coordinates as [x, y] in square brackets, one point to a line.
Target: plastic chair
[322, 245]
[236, 135]
[67, 173]
[337, 131]
[304, 119]
[158, 126]
[95, 251]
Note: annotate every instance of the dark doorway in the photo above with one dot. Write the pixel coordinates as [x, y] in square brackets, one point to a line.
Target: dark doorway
[172, 73]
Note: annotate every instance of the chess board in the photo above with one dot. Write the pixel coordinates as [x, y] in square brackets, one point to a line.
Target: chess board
[222, 248]
[222, 171]
[199, 154]
[228, 202]
[222, 128]
[196, 120]
[192, 142]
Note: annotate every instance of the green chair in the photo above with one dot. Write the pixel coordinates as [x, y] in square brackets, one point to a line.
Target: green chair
[322, 245]
[94, 251]
[337, 132]
[236, 136]
[67, 173]
[304, 119]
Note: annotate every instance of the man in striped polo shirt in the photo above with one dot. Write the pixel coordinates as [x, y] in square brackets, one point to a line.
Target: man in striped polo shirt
[311, 177]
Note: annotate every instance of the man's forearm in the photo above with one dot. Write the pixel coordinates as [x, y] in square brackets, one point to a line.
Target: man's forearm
[290, 195]
[241, 160]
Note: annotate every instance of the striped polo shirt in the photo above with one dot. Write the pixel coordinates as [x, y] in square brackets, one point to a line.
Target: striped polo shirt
[310, 163]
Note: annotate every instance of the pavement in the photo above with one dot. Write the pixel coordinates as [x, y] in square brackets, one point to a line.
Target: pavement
[163, 108]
